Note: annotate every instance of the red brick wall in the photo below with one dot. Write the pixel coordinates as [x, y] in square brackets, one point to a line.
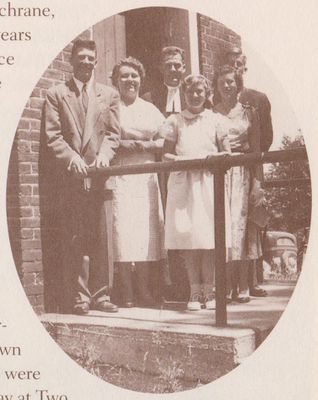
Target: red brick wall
[214, 41]
[30, 193]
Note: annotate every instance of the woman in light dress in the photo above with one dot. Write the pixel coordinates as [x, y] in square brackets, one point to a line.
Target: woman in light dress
[189, 226]
[138, 215]
[241, 123]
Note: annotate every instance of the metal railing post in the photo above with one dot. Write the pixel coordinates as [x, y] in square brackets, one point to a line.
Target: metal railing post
[220, 248]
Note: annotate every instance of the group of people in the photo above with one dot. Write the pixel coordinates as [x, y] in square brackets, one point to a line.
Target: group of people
[139, 219]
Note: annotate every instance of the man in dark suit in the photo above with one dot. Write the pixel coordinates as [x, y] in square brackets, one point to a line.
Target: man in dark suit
[81, 125]
[260, 102]
[254, 98]
[168, 96]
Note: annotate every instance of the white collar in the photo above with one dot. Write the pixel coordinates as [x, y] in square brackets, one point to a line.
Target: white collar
[173, 88]
[173, 102]
[189, 115]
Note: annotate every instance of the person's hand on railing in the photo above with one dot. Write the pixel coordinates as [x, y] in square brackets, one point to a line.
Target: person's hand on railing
[128, 145]
[218, 154]
[175, 157]
[101, 161]
[78, 167]
[239, 143]
[223, 153]
[169, 157]
[213, 156]
[154, 146]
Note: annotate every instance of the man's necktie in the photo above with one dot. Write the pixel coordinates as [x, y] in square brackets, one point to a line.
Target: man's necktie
[85, 97]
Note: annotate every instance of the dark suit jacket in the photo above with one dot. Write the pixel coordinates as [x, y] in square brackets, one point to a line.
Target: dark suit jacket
[158, 97]
[260, 102]
[254, 139]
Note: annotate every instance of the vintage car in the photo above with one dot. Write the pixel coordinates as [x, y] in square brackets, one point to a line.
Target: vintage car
[281, 246]
[277, 243]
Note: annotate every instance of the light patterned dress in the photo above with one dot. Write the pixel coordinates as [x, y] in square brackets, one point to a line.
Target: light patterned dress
[246, 240]
[138, 227]
[190, 201]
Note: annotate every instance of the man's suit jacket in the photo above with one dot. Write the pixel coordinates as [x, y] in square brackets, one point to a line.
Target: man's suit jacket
[69, 132]
[158, 97]
[260, 102]
[85, 228]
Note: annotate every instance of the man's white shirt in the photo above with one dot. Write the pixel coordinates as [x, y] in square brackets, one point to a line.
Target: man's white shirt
[173, 99]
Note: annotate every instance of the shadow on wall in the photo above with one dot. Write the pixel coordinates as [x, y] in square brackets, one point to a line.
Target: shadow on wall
[50, 238]
[13, 206]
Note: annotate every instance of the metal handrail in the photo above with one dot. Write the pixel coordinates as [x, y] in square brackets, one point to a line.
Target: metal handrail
[211, 162]
[218, 165]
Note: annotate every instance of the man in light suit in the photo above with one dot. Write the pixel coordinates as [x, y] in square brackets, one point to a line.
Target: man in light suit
[260, 102]
[81, 125]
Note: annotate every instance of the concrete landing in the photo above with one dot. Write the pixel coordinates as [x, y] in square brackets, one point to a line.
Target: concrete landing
[145, 339]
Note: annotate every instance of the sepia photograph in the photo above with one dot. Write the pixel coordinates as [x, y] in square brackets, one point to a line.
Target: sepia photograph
[159, 199]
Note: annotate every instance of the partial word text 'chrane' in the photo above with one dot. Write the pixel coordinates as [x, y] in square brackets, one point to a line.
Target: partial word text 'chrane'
[10, 10]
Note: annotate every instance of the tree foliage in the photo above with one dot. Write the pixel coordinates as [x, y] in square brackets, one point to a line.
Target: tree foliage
[290, 206]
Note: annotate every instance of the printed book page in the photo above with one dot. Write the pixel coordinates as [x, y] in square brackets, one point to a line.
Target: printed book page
[135, 260]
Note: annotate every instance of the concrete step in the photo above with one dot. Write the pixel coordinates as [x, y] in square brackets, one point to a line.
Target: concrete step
[143, 342]
[148, 340]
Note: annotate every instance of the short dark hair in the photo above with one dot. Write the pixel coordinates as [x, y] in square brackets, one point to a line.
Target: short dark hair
[191, 80]
[235, 50]
[130, 62]
[243, 60]
[231, 55]
[172, 51]
[223, 70]
[83, 44]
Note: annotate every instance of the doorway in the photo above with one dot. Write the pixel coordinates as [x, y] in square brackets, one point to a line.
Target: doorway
[140, 33]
